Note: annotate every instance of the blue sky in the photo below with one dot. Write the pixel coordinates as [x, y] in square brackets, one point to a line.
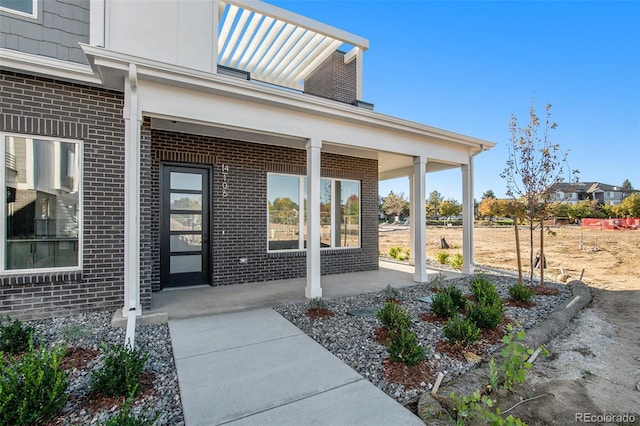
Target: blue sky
[467, 66]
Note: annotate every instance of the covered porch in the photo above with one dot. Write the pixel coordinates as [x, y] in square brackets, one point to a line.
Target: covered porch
[168, 98]
[202, 301]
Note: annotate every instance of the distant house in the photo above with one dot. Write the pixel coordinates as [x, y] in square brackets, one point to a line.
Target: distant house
[573, 193]
[158, 144]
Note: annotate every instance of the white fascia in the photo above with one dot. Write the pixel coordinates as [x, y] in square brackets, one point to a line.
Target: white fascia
[104, 61]
[47, 67]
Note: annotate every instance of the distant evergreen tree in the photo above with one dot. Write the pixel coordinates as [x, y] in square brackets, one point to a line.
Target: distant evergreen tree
[626, 184]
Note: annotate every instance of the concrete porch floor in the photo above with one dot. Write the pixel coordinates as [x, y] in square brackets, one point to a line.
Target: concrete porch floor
[201, 301]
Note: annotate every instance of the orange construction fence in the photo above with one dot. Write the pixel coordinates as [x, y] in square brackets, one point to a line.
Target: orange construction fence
[625, 223]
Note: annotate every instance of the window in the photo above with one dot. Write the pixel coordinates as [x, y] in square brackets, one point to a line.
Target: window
[339, 212]
[42, 209]
[26, 8]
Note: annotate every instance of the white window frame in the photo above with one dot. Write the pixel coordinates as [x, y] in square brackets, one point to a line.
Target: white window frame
[303, 213]
[33, 15]
[3, 210]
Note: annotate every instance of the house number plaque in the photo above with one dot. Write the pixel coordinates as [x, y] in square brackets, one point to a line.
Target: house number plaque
[225, 184]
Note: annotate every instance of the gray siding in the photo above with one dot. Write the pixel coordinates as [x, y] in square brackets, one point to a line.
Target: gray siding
[59, 27]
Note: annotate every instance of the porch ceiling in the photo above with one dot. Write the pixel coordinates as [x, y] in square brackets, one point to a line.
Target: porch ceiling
[390, 165]
[274, 45]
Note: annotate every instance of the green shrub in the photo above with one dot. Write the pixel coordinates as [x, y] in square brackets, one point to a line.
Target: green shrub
[404, 347]
[393, 317]
[391, 293]
[456, 261]
[515, 356]
[14, 336]
[461, 331]
[442, 305]
[398, 253]
[32, 388]
[317, 303]
[521, 293]
[481, 285]
[442, 257]
[456, 295]
[121, 372]
[486, 314]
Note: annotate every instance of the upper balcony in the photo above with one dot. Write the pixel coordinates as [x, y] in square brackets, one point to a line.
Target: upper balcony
[252, 40]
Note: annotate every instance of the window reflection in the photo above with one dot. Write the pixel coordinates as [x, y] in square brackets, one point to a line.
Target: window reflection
[339, 212]
[42, 203]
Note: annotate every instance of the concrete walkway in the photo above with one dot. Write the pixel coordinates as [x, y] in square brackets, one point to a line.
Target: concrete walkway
[256, 368]
[241, 363]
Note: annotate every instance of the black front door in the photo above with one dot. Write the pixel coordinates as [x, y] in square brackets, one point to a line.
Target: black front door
[184, 229]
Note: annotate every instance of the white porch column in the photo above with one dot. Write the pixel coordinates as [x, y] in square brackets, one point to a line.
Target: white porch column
[313, 288]
[412, 251]
[418, 219]
[467, 218]
[132, 195]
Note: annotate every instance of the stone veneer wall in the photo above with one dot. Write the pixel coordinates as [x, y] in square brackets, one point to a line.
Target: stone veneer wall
[242, 215]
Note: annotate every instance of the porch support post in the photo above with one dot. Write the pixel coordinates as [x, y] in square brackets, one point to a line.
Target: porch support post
[467, 218]
[313, 288]
[412, 251]
[418, 221]
[132, 195]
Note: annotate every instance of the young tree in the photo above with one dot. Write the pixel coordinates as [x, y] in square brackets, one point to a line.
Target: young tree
[488, 207]
[450, 207]
[626, 184]
[433, 203]
[488, 194]
[394, 204]
[629, 207]
[533, 165]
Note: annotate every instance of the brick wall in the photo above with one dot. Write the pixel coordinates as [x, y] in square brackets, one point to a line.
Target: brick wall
[39, 106]
[239, 221]
[334, 79]
[55, 33]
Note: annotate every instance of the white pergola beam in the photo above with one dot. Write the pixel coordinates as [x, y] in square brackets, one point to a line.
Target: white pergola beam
[244, 41]
[302, 21]
[257, 42]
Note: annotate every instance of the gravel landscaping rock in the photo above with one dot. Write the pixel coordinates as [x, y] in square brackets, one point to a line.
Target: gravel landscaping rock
[351, 338]
[89, 331]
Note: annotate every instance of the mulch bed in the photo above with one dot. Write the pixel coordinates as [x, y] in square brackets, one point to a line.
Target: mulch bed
[491, 337]
[456, 350]
[431, 317]
[382, 335]
[519, 303]
[78, 358]
[413, 376]
[320, 313]
[543, 290]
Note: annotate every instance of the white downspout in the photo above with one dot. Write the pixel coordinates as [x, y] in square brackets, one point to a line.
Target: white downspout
[131, 206]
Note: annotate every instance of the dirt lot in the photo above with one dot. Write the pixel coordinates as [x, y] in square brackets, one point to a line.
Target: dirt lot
[594, 366]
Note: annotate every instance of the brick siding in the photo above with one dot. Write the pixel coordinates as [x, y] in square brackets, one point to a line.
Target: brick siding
[40, 106]
[334, 79]
[239, 221]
